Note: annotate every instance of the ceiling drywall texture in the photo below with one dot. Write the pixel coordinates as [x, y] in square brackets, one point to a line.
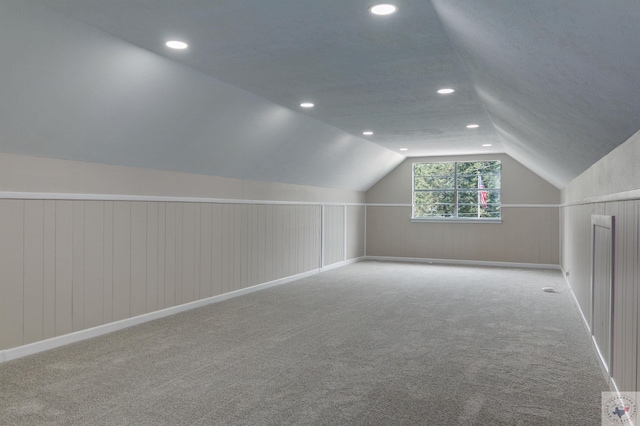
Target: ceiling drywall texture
[559, 79]
[552, 83]
[71, 92]
[363, 72]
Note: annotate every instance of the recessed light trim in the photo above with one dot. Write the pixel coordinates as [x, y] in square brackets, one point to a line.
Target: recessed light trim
[176, 44]
[446, 91]
[307, 105]
[486, 144]
[383, 9]
[404, 149]
[367, 133]
[472, 126]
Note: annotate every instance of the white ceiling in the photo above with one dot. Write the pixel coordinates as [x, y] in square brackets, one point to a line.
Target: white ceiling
[554, 84]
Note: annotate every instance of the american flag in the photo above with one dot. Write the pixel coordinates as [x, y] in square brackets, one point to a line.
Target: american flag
[483, 193]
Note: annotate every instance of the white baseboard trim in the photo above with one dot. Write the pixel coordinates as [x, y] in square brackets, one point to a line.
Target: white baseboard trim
[463, 262]
[55, 342]
[341, 264]
[613, 387]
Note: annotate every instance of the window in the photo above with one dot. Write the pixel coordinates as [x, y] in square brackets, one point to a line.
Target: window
[467, 190]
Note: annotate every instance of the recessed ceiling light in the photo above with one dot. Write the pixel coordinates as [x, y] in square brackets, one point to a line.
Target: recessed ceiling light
[404, 149]
[176, 44]
[486, 144]
[446, 91]
[472, 126]
[383, 9]
[367, 133]
[307, 105]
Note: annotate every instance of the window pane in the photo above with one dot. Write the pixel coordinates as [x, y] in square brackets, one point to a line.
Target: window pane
[434, 210]
[467, 181]
[482, 167]
[490, 211]
[469, 189]
[468, 210]
[431, 169]
[473, 197]
[471, 210]
[435, 197]
[468, 173]
[493, 197]
[491, 181]
[434, 182]
[468, 197]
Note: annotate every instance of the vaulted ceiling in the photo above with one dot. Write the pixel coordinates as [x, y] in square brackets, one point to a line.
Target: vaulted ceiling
[554, 84]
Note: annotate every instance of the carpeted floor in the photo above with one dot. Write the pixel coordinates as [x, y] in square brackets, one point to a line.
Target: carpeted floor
[373, 343]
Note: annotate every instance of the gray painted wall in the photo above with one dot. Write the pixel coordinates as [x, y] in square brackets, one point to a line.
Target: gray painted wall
[610, 187]
[529, 232]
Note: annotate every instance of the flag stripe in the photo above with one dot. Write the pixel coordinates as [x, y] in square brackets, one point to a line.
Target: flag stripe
[484, 195]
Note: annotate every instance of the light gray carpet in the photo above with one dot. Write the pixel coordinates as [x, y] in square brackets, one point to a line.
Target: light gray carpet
[372, 343]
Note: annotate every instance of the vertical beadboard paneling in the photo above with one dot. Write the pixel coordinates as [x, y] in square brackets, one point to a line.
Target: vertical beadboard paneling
[152, 256]
[206, 256]
[630, 294]
[138, 258]
[329, 235]
[299, 227]
[49, 270]
[577, 254]
[334, 234]
[162, 236]
[78, 266]
[242, 247]
[355, 232]
[170, 255]
[93, 263]
[33, 279]
[238, 223]
[577, 260]
[634, 276]
[317, 237]
[308, 242]
[64, 267]
[269, 243]
[279, 238]
[226, 248]
[261, 244]
[306, 254]
[283, 240]
[254, 243]
[179, 280]
[304, 238]
[107, 290]
[292, 240]
[12, 276]
[121, 260]
[197, 224]
[603, 287]
[216, 249]
[188, 253]
[625, 297]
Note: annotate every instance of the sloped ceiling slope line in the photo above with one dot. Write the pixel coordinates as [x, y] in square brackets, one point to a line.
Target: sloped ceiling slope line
[559, 79]
[72, 92]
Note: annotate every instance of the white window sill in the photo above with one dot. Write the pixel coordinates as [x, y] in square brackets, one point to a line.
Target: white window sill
[457, 220]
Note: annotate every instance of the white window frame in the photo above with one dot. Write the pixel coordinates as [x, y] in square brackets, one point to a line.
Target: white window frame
[452, 219]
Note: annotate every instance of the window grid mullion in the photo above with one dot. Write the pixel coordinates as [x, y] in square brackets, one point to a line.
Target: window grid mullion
[455, 191]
